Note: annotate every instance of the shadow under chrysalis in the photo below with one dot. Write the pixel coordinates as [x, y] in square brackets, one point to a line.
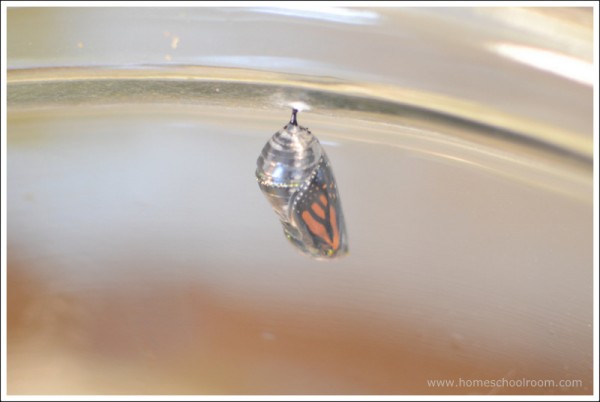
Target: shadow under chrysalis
[295, 175]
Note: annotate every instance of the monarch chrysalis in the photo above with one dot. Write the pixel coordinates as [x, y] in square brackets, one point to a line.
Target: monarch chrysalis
[295, 175]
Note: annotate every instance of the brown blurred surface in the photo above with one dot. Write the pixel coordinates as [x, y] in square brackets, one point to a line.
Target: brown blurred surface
[183, 339]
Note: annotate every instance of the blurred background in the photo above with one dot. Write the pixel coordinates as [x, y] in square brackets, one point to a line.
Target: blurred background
[143, 259]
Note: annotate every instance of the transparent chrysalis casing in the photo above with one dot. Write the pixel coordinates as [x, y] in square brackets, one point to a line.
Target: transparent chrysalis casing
[295, 175]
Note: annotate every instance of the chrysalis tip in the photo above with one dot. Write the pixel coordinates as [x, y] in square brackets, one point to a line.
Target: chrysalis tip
[293, 119]
[297, 107]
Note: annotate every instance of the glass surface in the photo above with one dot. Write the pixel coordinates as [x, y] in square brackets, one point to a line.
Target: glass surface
[143, 258]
